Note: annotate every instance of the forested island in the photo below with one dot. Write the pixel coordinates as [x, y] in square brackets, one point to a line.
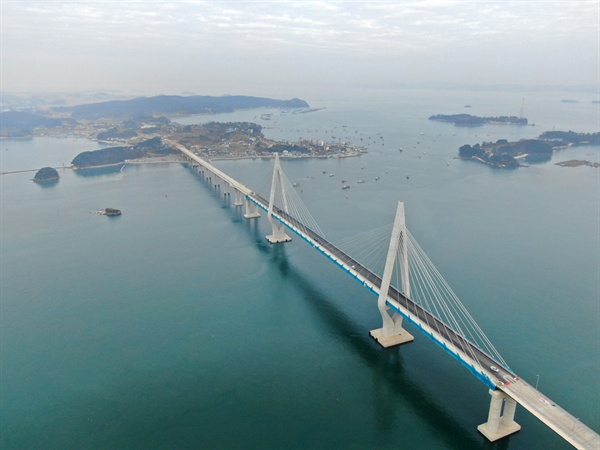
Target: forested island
[46, 174]
[467, 120]
[504, 154]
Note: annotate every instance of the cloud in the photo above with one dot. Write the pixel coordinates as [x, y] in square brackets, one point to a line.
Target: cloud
[323, 33]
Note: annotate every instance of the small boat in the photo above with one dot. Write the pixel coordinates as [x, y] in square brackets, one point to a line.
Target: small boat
[345, 186]
[360, 181]
[331, 174]
[110, 212]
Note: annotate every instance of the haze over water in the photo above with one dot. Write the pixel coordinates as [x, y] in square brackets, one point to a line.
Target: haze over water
[177, 325]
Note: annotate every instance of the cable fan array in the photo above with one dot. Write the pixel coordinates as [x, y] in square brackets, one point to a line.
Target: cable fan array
[428, 289]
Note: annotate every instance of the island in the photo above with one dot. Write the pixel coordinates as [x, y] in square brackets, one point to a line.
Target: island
[45, 175]
[504, 154]
[467, 120]
[577, 163]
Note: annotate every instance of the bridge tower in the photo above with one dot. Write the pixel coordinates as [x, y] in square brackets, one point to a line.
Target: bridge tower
[278, 234]
[392, 332]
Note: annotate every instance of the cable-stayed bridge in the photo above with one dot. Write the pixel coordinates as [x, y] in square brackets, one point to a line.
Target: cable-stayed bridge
[419, 296]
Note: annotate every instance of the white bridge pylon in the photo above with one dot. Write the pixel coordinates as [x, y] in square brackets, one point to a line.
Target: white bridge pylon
[278, 234]
[392, 333]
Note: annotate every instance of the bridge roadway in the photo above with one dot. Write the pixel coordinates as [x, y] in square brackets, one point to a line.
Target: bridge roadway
[478, 362]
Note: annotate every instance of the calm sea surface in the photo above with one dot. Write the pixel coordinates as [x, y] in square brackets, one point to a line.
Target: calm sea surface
[176, 325]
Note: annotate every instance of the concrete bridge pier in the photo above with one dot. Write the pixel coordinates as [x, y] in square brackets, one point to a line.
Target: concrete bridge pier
[278, 235]
[500, 423]
[237, 198]
[251, 210]
[225, 190]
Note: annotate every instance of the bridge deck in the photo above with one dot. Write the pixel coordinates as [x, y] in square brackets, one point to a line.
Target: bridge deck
[482, 365]
[560, 421]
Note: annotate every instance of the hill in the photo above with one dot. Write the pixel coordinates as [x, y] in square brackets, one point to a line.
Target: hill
[116, 155]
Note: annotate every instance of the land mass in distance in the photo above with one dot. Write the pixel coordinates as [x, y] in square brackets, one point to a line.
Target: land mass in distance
[82, 119]
[467, 120]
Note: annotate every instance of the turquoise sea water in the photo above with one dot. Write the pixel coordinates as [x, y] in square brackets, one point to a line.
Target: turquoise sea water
[176, 325]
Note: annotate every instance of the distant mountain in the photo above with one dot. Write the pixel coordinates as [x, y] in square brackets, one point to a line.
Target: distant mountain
[22, 119]
[174, 104]
[21, 123]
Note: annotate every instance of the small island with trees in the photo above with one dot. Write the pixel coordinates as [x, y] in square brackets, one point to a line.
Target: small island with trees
[504, 154]
[46, 175]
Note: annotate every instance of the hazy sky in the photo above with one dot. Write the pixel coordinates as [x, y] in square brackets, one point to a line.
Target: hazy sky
[294, 48]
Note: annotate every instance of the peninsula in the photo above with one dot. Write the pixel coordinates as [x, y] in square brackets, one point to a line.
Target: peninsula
[213, 140]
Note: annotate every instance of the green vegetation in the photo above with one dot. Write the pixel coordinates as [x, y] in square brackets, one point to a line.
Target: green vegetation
[570, 137]
[46, 174]
[116, 155]
[507, 154]
[115, 133]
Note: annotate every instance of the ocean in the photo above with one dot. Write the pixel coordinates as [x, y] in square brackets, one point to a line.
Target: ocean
[176, 325]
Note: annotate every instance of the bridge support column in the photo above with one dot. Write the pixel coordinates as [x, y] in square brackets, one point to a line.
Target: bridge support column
[251, 210]
[237, 199]
[278, 228]
[392, 332]
[500, 423]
